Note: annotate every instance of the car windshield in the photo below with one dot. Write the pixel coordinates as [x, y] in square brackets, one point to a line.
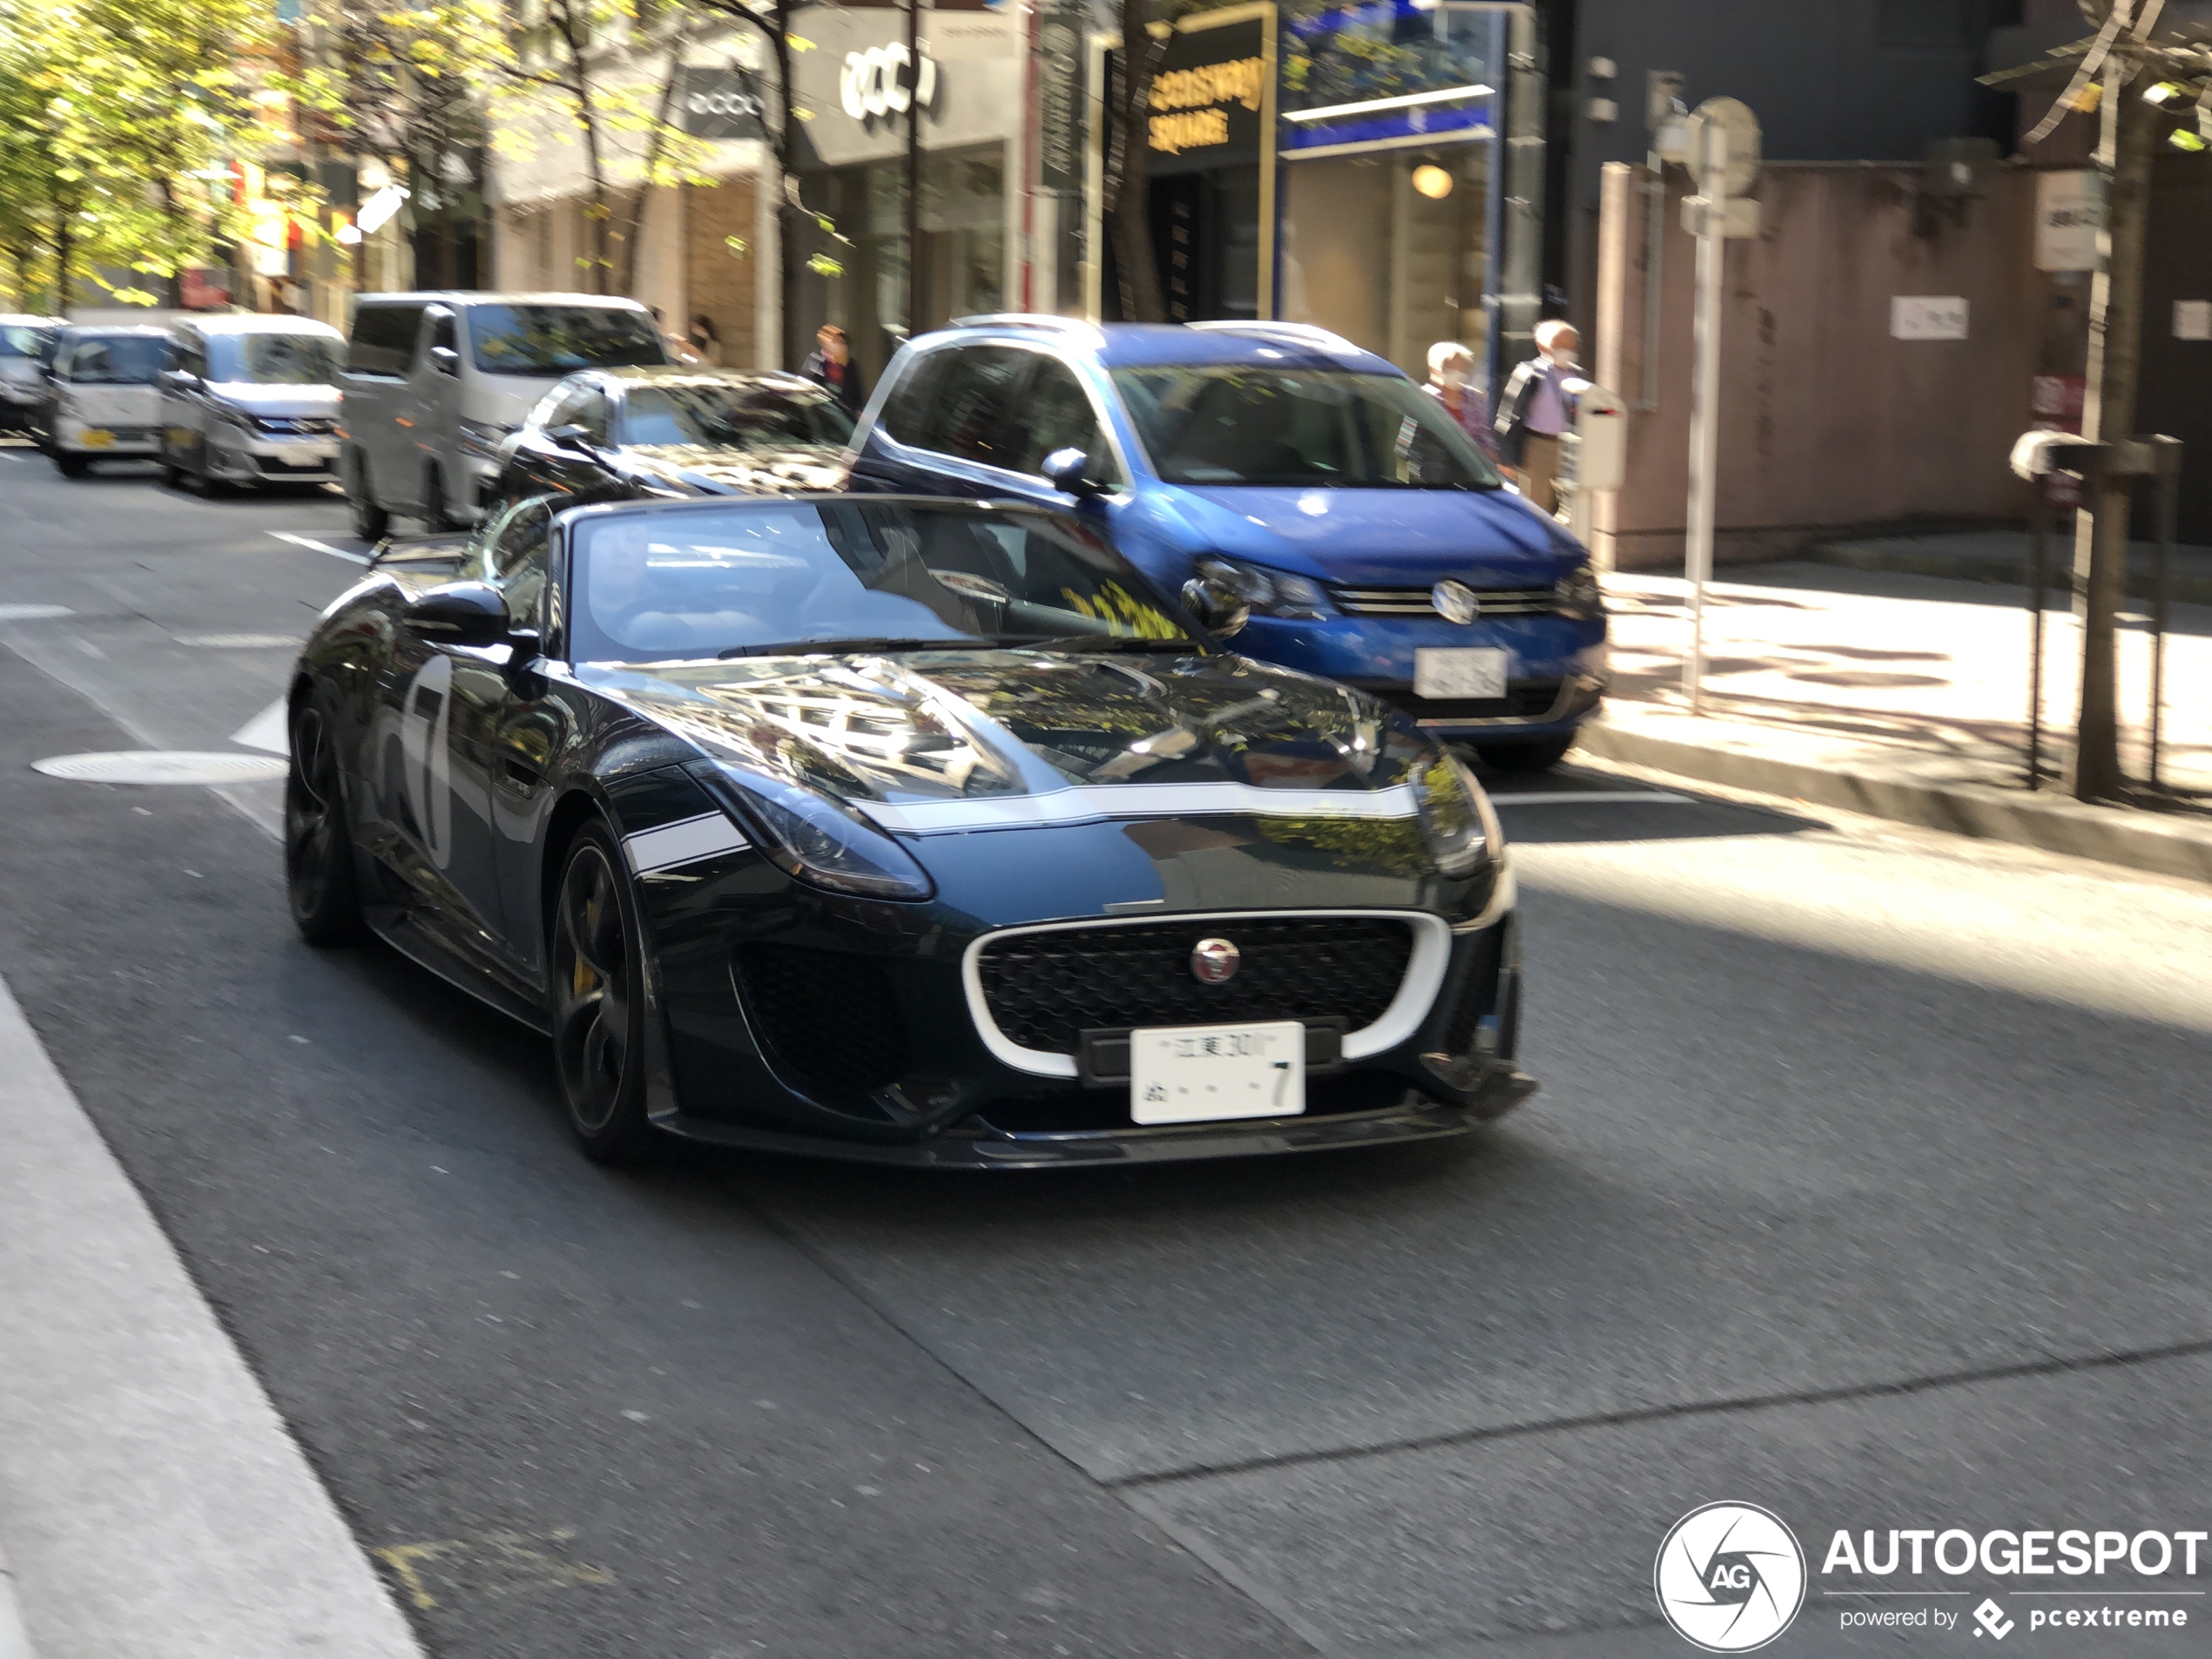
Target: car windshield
[758, 417]
[551, 341]
[117, 360]
[791, 576]
[1290, 428]
[18, 340]
[273, 359]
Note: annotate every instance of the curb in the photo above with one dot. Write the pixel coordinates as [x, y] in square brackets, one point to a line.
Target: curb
[15, 1642]
[2119, 835]
[2188, 583]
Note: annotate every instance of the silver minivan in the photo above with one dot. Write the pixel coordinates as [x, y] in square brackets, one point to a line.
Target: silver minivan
[251, 400]
[432, 383]
[104, 396]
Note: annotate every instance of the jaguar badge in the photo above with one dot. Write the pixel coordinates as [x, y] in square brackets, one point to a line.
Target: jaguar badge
[1213, 961]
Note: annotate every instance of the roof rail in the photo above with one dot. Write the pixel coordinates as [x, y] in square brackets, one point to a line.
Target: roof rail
[1304, 332]
[1025, 319]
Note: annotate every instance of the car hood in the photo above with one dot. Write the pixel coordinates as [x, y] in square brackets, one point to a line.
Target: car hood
[258, 399]
[717, 470]
[930, 743]
[1382, 536]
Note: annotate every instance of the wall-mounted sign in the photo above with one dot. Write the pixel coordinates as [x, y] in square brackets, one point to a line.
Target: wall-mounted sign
[1206, 99]
[2193, 320]
[720, 104]
[880, 82]
[1060, 94]
[2069, 212]
[1927, 316]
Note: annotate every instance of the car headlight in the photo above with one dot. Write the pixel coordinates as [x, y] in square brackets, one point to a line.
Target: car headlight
[483, 437]
[1578, 595]
[1461, 826]
[230, 415]
[813, 838]
[1270, 593]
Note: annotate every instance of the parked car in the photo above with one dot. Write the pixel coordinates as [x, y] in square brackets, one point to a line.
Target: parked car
[611, 433]
[23, 382]
[251, 400]
[102, 397]
[432, 384]
[1371, 540]
[920, 831]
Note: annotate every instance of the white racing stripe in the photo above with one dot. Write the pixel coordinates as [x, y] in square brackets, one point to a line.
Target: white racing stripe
[313, 546]
[687, 841]
[1575, 797]
[1086, 803]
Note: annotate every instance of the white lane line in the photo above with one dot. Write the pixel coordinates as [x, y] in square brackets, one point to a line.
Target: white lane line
[33, 613]
[157, 1504]
[268, 730]
[1576, 797]
[313, 546]
[14, 1641]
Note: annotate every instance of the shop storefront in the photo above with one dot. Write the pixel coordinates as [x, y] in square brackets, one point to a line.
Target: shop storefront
[863, 87]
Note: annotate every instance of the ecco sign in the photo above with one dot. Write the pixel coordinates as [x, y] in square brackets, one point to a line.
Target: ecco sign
[876, 82]
[721, 103]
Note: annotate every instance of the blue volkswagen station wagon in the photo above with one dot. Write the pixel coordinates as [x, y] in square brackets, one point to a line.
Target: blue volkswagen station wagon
[1277, 465]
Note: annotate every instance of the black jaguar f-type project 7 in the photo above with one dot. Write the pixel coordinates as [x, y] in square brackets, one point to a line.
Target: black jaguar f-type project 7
[919, 830]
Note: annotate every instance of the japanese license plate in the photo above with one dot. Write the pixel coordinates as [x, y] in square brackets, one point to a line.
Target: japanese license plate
[1196, 1074]
[1444, 672]
[304, 455]
[98, 437]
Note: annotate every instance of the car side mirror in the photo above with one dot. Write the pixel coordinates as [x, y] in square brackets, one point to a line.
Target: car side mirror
[571, 438]
[183, 379]
[1068, 471]
[445, 360]
[460, 613]
[1219, 608]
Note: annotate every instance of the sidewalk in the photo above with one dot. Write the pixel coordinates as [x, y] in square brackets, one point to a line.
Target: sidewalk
[152, 1505]
[1904, 697]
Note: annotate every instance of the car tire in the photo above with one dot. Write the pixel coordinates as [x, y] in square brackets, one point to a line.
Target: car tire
[319, 878]
[171, 474]
[596, 997]
[71, 466]
[1524, 754]
[436, 516]
[371, 523]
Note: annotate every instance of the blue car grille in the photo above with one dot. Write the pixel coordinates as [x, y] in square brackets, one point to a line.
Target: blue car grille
[1415, 602]
[1045, 990]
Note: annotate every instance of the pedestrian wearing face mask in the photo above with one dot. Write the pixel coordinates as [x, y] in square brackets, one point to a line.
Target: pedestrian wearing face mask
[1451, 382]
[1534, 412]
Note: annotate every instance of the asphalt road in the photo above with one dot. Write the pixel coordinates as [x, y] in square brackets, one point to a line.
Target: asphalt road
[1867, 1185]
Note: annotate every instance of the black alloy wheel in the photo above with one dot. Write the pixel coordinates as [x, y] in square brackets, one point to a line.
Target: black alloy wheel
[1524, 754]
[371, 523]
[596, 991]
[71, 466]
[318, 852]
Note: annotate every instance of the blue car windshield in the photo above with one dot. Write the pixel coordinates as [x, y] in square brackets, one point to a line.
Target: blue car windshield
[1298, 427]
[761, 578]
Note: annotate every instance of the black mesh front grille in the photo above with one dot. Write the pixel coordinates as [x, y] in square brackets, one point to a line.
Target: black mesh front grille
[1527, 701]
[829, 1020]
[1045, 989]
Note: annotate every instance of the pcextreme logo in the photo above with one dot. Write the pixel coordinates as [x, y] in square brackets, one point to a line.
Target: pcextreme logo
[1729, 1577]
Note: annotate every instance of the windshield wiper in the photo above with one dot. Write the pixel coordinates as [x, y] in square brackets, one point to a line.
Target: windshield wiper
[808, 647]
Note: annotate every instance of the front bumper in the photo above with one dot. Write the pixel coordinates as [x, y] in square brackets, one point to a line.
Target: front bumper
[73, 436]
[238, 457]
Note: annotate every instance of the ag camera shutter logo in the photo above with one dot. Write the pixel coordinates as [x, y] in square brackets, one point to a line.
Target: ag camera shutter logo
[1729, 1577]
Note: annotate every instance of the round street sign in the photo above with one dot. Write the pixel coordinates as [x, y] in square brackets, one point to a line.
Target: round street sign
[1729, 121]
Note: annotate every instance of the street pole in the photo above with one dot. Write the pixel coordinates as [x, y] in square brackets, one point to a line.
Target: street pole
[2128, 136]
[913, 168]
[1704, 412]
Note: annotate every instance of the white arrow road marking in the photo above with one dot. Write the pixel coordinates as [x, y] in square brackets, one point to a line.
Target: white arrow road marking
[313, 546]
[268, 730]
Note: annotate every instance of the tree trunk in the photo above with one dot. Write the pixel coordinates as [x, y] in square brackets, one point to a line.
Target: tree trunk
[2128, 143]
[633, 224]
[788, 354]
[64, 255]
[1130, 214]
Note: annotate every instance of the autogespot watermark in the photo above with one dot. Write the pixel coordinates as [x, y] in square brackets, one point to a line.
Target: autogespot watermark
[1730, 1577]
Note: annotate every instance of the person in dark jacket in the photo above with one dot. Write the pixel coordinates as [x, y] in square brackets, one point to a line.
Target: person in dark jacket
[831, 366]
[1534, 411]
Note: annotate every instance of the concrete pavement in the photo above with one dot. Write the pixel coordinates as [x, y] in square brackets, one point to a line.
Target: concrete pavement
[1866, 1186]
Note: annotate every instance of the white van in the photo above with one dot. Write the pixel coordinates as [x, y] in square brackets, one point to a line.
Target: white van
[103, 397]
[251, 400]
[23, 382]
[434, 382]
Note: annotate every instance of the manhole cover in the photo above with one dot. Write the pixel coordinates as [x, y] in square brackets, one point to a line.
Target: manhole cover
[237, 641]
[33, 613]
[161, 766]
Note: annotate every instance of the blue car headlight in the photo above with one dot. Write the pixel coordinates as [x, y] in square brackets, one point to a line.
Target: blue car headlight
[1270, 593]
[813, 838]
[1461, 826]
[1578, 596]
